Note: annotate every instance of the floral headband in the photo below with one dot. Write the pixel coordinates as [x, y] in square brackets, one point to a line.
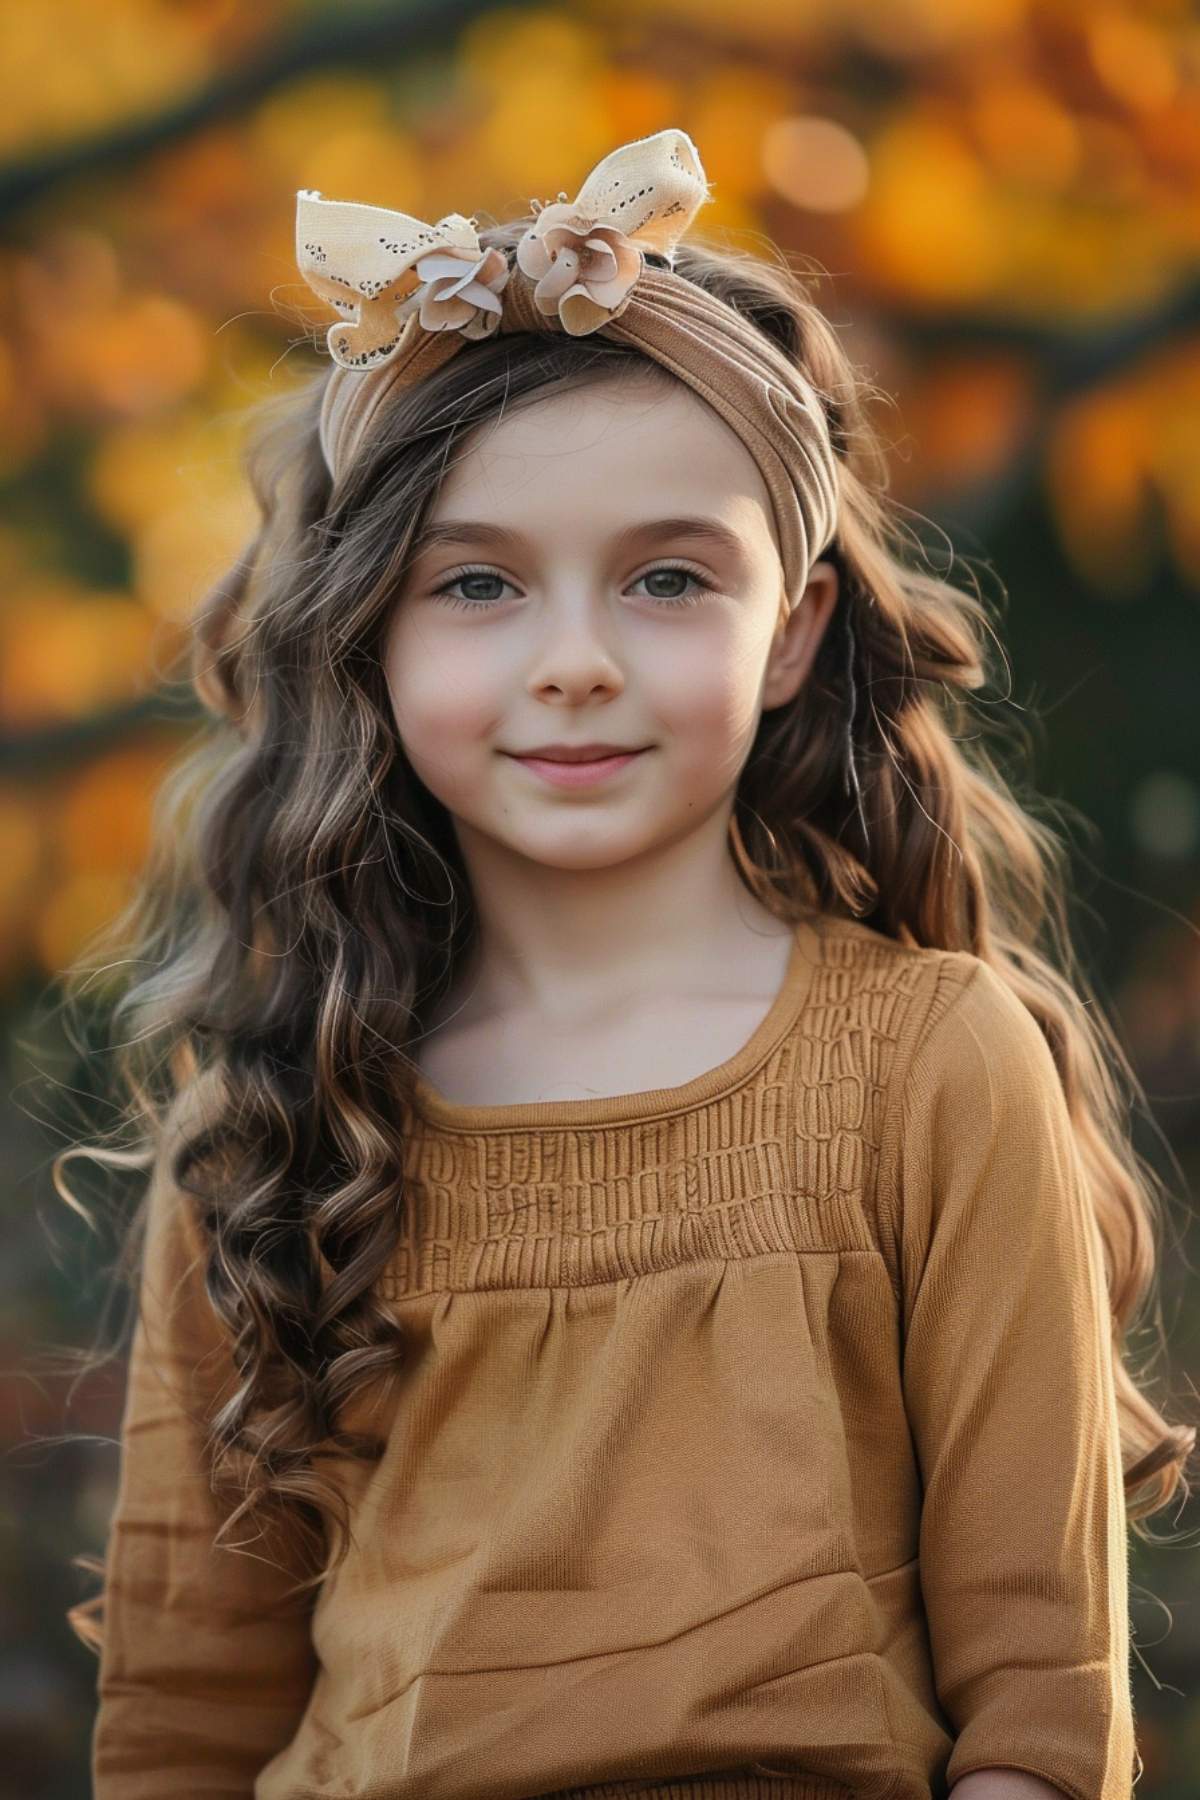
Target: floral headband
[410, 294]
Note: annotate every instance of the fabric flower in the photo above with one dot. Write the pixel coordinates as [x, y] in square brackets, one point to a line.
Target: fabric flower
[459, 292]
[584, 270]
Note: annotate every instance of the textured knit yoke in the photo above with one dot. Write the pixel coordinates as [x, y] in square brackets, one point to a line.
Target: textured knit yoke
[757, 1437]
[776, 1150]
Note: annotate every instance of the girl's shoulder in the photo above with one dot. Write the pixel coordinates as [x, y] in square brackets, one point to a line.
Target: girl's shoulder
[870, 957]
[941, 1009]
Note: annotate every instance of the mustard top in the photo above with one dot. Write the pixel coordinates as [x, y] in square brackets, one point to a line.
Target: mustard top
[757, 1438]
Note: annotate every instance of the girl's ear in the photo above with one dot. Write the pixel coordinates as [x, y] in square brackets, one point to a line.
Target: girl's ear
[796, 642]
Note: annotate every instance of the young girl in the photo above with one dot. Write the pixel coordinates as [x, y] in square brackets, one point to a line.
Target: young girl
[640, 1230]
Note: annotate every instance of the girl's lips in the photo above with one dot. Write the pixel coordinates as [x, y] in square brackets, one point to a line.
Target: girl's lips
[577, 774]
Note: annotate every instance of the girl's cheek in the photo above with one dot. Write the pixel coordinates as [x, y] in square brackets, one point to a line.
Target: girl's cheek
[445, 706]
[705, 703]
[444, 743]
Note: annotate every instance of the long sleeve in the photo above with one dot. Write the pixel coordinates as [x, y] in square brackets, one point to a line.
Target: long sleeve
[204, 1670]
[1007, 1381]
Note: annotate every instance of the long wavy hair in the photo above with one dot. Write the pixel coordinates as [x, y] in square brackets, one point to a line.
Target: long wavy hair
[304, 901]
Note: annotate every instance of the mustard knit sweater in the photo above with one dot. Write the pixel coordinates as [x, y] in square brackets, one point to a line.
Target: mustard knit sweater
[757, 1438]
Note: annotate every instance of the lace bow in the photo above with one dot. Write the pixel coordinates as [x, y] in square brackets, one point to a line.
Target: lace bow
[378, 268]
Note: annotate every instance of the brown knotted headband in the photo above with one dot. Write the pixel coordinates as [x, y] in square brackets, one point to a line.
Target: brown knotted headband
[411, 293]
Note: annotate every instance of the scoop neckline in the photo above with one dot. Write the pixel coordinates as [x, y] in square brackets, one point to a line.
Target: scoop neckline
[434, 1108]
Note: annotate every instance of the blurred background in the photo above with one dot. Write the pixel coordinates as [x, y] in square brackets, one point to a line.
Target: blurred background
[1003, 199]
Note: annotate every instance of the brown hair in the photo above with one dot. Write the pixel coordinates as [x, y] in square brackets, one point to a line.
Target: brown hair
[304, 899]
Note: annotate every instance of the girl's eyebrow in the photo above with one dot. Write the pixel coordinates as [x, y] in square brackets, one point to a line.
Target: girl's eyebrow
[471, 531]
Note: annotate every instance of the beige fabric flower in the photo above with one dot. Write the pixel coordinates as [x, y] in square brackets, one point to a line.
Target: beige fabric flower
[459, 292]
[584, 270]
[586, 254]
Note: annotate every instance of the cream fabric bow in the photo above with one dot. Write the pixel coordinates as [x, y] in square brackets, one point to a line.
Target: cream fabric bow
[379, 268]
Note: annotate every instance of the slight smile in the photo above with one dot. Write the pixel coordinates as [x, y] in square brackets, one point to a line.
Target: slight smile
[578, 774]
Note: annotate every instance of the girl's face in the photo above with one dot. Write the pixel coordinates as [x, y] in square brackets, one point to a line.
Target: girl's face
[560, 599]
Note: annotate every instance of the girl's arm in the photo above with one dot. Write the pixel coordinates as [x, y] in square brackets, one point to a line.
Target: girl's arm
[1007, 1374]
[204, 1672]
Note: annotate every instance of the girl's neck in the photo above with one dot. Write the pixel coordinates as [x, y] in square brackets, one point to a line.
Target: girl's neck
[572, 944]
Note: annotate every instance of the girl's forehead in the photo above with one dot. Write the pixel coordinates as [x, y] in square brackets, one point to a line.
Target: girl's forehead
[605, 467]
[597, 411]
[729, 535]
